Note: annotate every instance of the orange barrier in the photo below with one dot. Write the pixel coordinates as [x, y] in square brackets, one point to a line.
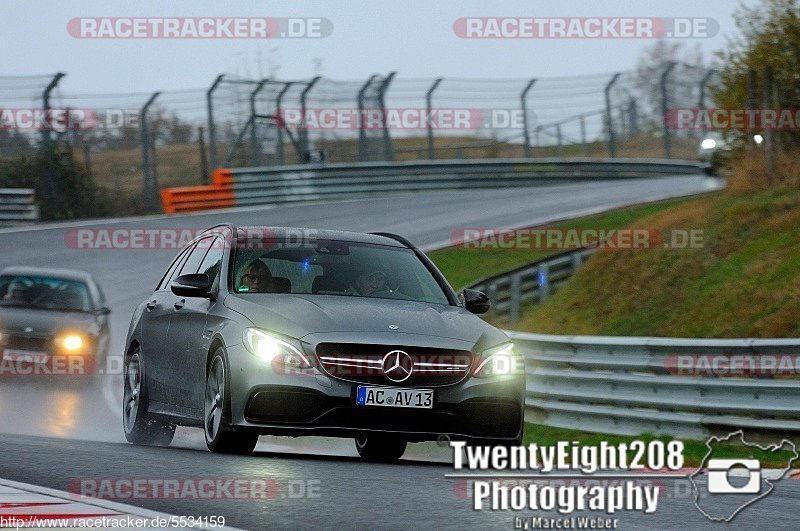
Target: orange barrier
[219, 194]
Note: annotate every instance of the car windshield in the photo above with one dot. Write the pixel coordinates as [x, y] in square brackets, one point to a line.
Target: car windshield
[44, 293]
[335, 267]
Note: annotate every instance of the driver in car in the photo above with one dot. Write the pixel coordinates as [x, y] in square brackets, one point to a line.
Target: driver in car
[372, 281]
[255, 277]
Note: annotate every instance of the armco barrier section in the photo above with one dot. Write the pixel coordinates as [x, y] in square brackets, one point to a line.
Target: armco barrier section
[270, 185]
[636, 385]
[535, 281]
[18, 205]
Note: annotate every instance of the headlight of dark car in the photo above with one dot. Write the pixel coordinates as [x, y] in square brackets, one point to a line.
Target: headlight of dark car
[271, 349]
[501, 360]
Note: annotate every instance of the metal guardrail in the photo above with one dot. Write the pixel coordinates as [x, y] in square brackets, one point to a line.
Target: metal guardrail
[532, 282]
[18, 205]
[629, 385]
[269, 185]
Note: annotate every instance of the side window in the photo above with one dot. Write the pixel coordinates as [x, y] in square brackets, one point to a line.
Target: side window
[213, 261]
[196, 255]
[171, 271]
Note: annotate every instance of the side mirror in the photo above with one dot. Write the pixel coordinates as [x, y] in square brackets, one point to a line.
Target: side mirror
[103, 310]
[475, 301]
[192, 285]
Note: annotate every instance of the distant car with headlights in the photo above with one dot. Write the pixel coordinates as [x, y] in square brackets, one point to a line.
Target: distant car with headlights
[316, 333]
[52, 322]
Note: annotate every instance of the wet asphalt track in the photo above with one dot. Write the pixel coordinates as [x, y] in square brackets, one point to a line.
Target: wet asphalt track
[55, 432]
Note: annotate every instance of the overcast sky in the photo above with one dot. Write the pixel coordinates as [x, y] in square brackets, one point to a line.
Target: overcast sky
[414, 37]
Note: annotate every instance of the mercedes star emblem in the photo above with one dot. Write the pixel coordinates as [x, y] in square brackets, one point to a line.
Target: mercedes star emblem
[397, 366]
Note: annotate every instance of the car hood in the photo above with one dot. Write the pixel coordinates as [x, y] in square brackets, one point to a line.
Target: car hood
[43, 322]
[299, 316]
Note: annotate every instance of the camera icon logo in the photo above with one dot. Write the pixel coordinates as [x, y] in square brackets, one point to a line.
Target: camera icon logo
[719, 476]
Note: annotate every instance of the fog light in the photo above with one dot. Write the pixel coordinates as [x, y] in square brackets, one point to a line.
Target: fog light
[73, 342]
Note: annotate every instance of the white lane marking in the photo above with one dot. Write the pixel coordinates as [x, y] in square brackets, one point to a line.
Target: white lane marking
[76, 500]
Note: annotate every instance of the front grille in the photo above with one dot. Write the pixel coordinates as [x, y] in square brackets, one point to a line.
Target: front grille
[33, 344]
[423, 366]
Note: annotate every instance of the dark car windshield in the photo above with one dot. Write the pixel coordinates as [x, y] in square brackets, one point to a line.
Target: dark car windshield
[44, 293]
[335, 267]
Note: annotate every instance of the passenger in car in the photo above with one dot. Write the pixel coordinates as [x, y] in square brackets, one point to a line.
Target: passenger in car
[256, 278]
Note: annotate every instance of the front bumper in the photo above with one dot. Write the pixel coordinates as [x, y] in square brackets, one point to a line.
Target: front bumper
[312, 403]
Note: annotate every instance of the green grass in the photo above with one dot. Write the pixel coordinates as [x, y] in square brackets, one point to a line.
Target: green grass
[462, 266]
[693, 452]
[743, 282]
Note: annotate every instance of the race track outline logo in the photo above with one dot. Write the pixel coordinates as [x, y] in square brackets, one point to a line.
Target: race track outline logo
[719, 484]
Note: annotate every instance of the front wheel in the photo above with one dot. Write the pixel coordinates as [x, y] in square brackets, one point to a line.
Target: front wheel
[217, 412]
[380, 448]
[140, 427]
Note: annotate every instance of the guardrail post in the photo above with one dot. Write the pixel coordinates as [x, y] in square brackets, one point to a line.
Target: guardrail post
[515, 296]
[577, 260]
[303, 132]
[388, 152]
[362, 122]
[254, 155]
[543, 277]
[429, 109]
[665, 108]
[612, 148]
[279, 119]
[491, 294]
[149, 185]
[212, 130]
[525, 128]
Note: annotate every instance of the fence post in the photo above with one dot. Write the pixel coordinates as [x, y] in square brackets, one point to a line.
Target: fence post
[149, 186]
[769, 103]
[47, 180]
[612, 148]
[254, 154]
[279, 119]
[388, 152]
[665, 108]
[525, 129]
[212, 130]
[515, 296]
[303, 131]
[201, 143]
[362, 134]
[585, 148]
[560, 141]
[429, 108]
[633, 117]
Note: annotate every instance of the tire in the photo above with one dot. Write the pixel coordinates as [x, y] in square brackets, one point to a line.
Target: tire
[140, 427]
[380, 448]
[220, 438]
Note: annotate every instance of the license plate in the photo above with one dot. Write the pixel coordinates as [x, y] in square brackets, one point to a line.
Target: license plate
[394, 397]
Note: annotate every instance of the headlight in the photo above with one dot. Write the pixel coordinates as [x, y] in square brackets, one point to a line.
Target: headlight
[270, 348]
[498, 361]
[72, 342]
[708, 143]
